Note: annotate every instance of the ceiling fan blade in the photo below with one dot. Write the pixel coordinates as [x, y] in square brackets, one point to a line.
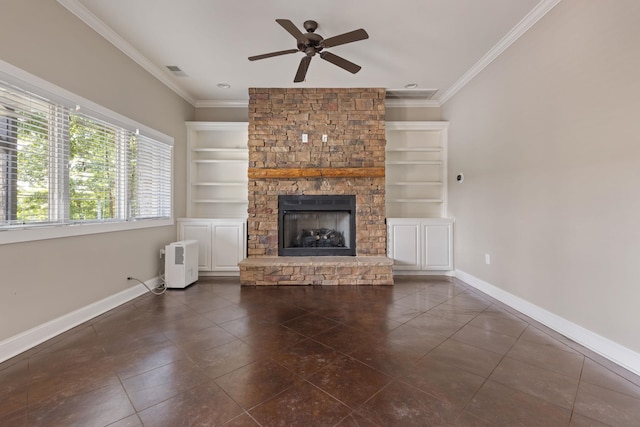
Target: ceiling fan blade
[269, 55]
[293, 30]
[302, 69]
[340, 62]
[352, 36]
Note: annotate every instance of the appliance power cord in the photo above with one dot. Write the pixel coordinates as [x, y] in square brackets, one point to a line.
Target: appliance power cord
[160, 289]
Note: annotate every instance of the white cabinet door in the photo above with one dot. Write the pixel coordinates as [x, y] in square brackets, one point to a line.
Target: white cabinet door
[404, 244]
[437, 247]
[200, 231]
[229, 244]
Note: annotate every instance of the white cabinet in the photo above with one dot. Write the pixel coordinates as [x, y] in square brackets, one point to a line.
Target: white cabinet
[199, 230]
[416, 169]
[420, 244]
[222, 243]
[217, 162]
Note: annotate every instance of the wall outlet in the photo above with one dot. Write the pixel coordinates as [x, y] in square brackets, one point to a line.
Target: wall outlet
[325, 138]
[305, 137]
[161, 253]
[487, 259]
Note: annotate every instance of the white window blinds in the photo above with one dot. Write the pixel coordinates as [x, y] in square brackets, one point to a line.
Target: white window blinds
[62, 166]
[28, 157]
[150, 171]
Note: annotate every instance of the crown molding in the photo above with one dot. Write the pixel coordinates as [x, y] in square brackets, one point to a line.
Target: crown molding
[522, 27]
[101, 28]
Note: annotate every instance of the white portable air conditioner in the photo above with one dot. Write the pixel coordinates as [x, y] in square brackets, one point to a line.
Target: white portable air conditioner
[181, 263]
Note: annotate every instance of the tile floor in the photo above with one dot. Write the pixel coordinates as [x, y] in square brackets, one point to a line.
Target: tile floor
[426, 352]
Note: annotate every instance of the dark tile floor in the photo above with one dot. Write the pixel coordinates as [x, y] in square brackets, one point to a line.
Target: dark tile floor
[429, 351]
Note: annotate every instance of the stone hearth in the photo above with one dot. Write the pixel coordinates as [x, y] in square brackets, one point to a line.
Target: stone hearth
[326, 270]
[350, 162]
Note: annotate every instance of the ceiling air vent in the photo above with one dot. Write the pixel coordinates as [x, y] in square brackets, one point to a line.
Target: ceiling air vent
[176, 71]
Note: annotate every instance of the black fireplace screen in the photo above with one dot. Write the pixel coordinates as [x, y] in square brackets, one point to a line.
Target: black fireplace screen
[316, 225]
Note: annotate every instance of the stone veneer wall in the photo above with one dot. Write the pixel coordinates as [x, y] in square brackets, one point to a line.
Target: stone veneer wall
[353, 120]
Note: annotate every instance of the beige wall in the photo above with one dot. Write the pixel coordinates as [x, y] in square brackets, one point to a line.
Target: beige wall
[236, 114]
[402, 114]
[40, 281]
[548, 138]
[222, 114]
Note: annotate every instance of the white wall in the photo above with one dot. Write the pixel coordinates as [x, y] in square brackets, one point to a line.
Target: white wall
[548, 138]
[41, 281]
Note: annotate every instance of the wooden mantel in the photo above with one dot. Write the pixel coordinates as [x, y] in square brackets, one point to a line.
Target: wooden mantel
[266, 173]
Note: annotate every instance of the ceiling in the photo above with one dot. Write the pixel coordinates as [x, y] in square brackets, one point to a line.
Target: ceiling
[435, 44]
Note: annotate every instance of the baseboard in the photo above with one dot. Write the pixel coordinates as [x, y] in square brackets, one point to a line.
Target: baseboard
[219, 273]
[449, 273]
[24, 341]
[615, 352]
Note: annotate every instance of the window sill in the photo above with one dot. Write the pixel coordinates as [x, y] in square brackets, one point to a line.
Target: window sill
[59, 231]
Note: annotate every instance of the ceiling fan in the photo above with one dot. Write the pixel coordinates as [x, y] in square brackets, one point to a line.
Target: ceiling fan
[311, 43]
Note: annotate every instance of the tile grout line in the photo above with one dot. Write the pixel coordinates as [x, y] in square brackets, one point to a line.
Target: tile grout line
[491, 373]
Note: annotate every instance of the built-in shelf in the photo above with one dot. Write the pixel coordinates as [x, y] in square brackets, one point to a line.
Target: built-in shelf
[418, 183]
[417, 150]
[414, 200]
[218, 160]
[416, 175]
[414, 162]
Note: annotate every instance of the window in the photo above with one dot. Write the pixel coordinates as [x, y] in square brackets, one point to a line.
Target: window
[62, 165]
[150, 171]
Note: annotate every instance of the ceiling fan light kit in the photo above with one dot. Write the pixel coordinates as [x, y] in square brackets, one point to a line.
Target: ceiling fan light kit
[311, 44]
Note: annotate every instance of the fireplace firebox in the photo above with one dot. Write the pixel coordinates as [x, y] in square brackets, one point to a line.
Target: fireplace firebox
[321, 225]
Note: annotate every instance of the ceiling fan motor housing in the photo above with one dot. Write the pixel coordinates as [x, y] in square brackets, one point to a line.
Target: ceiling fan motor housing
[313, 44]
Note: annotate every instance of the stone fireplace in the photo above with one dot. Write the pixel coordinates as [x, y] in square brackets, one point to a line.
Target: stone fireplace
[344, 155]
